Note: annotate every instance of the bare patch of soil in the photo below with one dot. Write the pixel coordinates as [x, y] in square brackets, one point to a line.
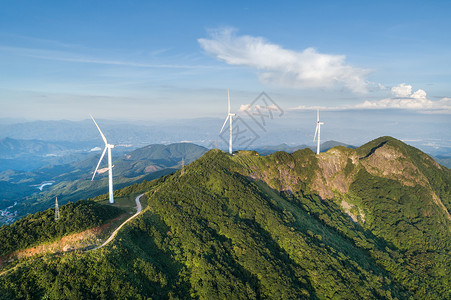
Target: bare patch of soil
[76, 241]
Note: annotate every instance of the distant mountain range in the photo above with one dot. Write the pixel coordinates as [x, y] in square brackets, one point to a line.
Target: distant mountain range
[72, 181]
[367, 223]
[25, 164]
[29, 163]
[290, 129]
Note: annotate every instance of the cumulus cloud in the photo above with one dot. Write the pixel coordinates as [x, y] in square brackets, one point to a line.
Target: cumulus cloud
[401, 90]
[419, 94]
[402, 98]
[299, 69]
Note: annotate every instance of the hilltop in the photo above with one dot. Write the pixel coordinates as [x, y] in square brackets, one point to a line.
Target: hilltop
[365, 223]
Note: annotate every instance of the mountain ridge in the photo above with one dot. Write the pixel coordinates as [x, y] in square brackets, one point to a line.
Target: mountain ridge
[265, 150]
[276, 226]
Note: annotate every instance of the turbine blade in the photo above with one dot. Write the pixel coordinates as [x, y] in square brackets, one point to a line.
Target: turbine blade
[225, 122]
[317, 115]
[101, 133]
[98, 164]
[316, 132]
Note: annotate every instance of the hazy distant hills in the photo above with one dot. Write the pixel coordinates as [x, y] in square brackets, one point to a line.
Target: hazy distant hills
[72, 181]
[11, 148]
[202, 131]
[70, 165]
[365, 223]
[444, 160]
[27, 155]
[157, 157]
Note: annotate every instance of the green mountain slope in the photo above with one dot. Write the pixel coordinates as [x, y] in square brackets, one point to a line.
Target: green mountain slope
[369, 223]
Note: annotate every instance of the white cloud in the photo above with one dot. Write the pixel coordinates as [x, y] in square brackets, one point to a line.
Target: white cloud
[244, 107]
[419, 94]
[401, 90]
[305, 69]
[403, 98]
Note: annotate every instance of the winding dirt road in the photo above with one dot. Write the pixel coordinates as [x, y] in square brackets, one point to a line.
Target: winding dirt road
[139, 208]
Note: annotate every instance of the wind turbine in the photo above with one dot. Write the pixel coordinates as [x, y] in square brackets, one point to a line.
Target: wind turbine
[318, 131]
[229, 116]
[110, 168]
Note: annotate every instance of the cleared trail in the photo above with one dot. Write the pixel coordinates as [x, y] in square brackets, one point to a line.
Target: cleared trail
[139, 208]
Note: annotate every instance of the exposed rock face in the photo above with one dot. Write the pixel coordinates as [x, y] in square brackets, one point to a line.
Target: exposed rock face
[330, 175]
[335, 170]
[386, 161]
[282, 178]
[348, 210]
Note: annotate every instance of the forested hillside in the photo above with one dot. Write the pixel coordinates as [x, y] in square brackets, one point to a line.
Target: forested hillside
[41, 227]
[369, 223]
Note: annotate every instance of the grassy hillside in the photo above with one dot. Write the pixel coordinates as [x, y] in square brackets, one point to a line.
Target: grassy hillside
[344, 224]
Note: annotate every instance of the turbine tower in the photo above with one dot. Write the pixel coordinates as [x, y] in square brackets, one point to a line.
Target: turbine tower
[318, 131]
[57, 210]
[110, 168]
[229, 116]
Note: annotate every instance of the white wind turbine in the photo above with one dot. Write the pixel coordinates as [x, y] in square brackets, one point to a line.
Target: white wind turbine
[318, 131]
[229, 116]
[110, 168]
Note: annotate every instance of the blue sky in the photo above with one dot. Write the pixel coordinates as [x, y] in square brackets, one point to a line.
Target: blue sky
[159, 60]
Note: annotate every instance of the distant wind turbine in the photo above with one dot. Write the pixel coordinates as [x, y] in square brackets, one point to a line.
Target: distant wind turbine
[229, 116]
[110, 168]
[318, 131]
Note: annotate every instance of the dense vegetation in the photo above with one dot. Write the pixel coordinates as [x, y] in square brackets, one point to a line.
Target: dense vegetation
[250, 227]
[41, 227]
